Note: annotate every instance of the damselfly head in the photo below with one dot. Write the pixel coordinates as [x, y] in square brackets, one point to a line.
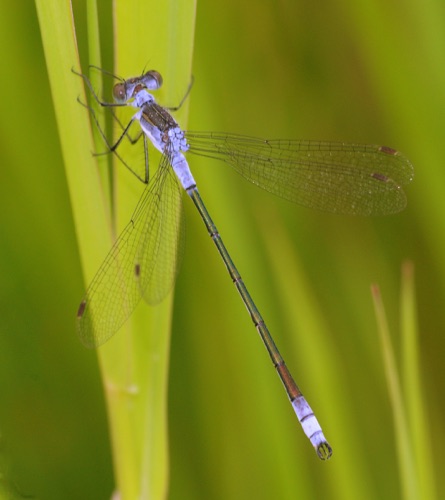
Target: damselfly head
[123, 91]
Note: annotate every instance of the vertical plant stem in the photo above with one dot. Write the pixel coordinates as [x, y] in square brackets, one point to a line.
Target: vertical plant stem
[134, 364]
[162, 33]
[407, 469]
[412, 385]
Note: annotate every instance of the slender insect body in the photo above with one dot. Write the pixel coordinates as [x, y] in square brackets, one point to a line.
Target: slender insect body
[337, 177]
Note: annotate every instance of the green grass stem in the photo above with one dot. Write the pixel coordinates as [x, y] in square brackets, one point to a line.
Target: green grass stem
[405, 454]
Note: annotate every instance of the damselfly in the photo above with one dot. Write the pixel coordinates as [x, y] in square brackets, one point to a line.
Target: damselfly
[336, 177]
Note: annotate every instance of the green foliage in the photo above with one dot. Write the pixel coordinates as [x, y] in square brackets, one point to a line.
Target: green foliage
[352, 71]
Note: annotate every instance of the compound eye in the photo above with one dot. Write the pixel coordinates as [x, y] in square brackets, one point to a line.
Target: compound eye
[119, 93]
[152, 80]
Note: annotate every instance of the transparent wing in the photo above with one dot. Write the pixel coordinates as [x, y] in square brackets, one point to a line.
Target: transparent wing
[163, 269]
[335, 177]
[142, 262]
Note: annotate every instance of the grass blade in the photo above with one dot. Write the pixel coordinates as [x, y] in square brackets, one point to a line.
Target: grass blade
[409, 480]
[412, 386]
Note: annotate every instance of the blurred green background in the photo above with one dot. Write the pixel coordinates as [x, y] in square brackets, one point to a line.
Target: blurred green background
[356, 71]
